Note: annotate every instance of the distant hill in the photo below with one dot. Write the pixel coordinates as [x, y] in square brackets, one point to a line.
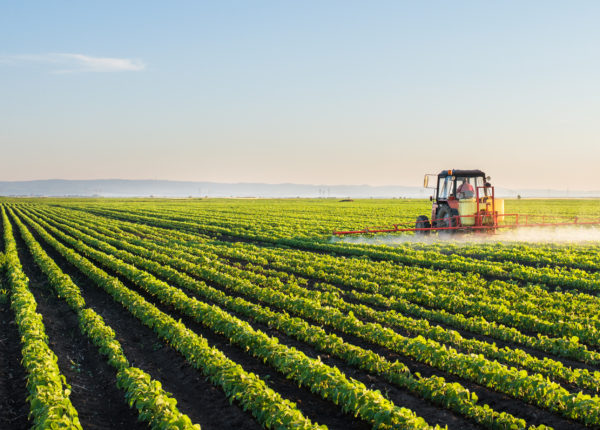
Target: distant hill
[160, 188]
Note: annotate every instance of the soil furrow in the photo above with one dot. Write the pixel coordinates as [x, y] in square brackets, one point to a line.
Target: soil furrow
[100, 404]
[203, 402]
[501, 402]
[464, 333]
[498, 401]
[312, 405]
[14, 408]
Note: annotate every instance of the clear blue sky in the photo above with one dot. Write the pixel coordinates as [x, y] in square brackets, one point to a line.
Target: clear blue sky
[334, 92]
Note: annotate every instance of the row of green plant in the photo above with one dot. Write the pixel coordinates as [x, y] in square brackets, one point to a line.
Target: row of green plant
[48, 391]
[568, 347]
[439, 290]
[529, 299]
[247, 389]
[553, 277]
[584, 257]
[280, 218]
[189, 263]
[450, 395]
[432, 290]
[327, 381]
[3, 291]
[154, 405]
[314, 218]
[320, 378]
[432, 261]
[339, 272]
[532, 388]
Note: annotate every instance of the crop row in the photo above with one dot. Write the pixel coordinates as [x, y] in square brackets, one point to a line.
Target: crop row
[533, 388]
[547, 367]
[50, 405]
[554, 277]
[399, 298]
[401, 290]
[582, 257]
[450, 395]
[154, 405]
[268, 407]
[426, 287]
[308, 220]
[433, 291]
[529, 300]
[550, 278]
[322, 379]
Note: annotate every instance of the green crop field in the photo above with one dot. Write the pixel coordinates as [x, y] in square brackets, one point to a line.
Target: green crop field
[248, 313]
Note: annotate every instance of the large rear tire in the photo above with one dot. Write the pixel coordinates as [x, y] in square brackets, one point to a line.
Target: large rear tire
[446, 218]
[422, 222]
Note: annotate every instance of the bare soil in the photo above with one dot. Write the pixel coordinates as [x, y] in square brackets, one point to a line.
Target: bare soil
[204, 403]
[326, 413]
[100, 404]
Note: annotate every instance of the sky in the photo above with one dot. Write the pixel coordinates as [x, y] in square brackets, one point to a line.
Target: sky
[314, 92]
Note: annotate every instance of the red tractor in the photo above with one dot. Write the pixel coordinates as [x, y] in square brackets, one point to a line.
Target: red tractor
[464, 200]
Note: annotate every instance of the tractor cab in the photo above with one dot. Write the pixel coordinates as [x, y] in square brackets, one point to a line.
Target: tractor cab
[453, 185]
[458, 198]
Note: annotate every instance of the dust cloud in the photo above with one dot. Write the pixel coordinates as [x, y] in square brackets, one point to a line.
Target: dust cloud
[558, 235]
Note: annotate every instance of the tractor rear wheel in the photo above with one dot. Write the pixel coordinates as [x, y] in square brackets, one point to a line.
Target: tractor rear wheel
[446, 218]
[422, 222]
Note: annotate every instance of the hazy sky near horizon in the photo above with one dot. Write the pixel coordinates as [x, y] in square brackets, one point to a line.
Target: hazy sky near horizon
[334, 92]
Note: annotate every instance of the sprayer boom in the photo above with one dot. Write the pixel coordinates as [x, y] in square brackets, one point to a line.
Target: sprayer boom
[516, 221]
[464, 200]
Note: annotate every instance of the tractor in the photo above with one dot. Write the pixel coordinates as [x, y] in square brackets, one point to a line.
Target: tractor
[465, 201]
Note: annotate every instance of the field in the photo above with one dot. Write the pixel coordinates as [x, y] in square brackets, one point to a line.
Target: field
[247, 314]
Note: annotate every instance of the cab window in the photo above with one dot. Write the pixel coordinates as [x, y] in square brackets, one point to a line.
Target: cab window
[446, 188]
[465, 187]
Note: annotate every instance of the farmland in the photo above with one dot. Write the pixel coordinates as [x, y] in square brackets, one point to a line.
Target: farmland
[225, 313]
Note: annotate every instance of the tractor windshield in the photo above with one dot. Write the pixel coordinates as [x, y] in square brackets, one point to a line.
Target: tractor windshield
[461, 187]
[446, 187]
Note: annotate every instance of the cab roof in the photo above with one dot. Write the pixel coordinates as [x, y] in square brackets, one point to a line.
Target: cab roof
[464, 173]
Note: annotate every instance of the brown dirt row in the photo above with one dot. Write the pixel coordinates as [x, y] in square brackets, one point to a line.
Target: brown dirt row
[204, 403]
[498, 401]
[14, 408]
[311, 281]
[221, 414]
[466, 334]
[100, 404]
